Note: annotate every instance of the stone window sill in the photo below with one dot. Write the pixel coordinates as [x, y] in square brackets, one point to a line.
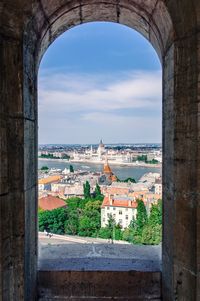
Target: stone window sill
[61, 277]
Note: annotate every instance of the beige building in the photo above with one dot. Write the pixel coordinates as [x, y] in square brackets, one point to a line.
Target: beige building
[45, 183]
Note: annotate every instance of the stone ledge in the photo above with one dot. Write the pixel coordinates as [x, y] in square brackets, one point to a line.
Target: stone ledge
[98, 285]
[99, 264]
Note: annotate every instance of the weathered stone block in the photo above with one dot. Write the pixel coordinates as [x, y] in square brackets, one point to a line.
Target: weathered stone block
[133, 20]
[30, 154]
[109, 285]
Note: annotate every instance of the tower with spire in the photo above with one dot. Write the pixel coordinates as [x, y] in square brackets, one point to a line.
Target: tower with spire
[110, 176]
[101, 150]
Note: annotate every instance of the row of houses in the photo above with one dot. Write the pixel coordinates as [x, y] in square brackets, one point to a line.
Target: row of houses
[120, 199]
[69, 185]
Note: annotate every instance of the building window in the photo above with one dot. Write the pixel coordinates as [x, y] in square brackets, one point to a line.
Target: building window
[120, 212]
[108, 208]
[114, 208]
[126, 216]
[120, 221]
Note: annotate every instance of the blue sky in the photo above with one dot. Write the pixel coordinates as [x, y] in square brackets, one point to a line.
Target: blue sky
[100, 80]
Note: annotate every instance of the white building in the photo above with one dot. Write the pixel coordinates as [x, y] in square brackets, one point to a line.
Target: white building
[45, 183]
[123, 209]
[66, 171]
[158, 188]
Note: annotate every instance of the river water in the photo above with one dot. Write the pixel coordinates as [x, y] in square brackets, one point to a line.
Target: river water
[122, 172]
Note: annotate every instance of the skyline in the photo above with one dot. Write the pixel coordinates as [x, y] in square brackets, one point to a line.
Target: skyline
[108, 85]
[97, 143]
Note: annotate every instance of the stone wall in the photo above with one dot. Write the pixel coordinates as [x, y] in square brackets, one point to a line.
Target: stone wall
[27, 28]
[99, 285]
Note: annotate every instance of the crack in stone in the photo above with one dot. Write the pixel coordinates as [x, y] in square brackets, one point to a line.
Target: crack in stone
[4, 194]
[81, 12]
[118, 10]
[47, 20]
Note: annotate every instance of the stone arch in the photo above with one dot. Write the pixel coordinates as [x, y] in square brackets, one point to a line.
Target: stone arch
[150, 18]
[27, 29]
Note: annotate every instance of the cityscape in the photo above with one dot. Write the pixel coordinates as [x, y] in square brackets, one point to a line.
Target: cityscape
[99, 155]
[93, 176]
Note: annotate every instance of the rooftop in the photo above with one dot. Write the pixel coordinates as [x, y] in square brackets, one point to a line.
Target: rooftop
[50, 202]
[119, 201]
[49, 180]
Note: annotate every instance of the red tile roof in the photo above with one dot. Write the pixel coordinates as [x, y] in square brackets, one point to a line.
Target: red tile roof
[119, 202]
[50, 202]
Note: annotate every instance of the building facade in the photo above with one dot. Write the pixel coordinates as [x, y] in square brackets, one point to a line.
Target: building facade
[122, 209]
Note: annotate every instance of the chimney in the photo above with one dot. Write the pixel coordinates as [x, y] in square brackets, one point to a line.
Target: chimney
[129, 203]
[110, 197]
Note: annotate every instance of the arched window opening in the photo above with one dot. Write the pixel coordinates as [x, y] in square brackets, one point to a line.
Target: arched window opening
[27, 30]
[100, 152]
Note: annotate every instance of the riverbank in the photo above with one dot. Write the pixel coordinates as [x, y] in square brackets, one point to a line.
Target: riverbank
[133, 164]
[121, 171]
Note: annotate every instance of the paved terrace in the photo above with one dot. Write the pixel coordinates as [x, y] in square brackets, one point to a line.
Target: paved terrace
[91, 254]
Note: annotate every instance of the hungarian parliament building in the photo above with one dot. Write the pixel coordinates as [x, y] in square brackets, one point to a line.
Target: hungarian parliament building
[101, 154]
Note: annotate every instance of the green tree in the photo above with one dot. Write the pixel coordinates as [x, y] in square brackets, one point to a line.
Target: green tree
[71, 168]
[86, 190]
[130, 180]
[97, 193]
[154, 161]
[118, 232]
[136, 226]
[73, 202]
[53, 221]
[45, 168]
[152, 231]
[112, 230]
[155, 217]
[141, 217]
[97, 190]
[128, 234]
[105, 233]
[142, 158]
[65, 156]
[151, 235]
[72, 222]
[132, 224]
[90, 220]
[111, 226]
[73, 212]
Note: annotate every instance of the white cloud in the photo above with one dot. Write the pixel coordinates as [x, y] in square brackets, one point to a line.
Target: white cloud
[83, 92]
[91, 101]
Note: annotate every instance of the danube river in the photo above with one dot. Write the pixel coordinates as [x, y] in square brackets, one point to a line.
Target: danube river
[122, 172]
